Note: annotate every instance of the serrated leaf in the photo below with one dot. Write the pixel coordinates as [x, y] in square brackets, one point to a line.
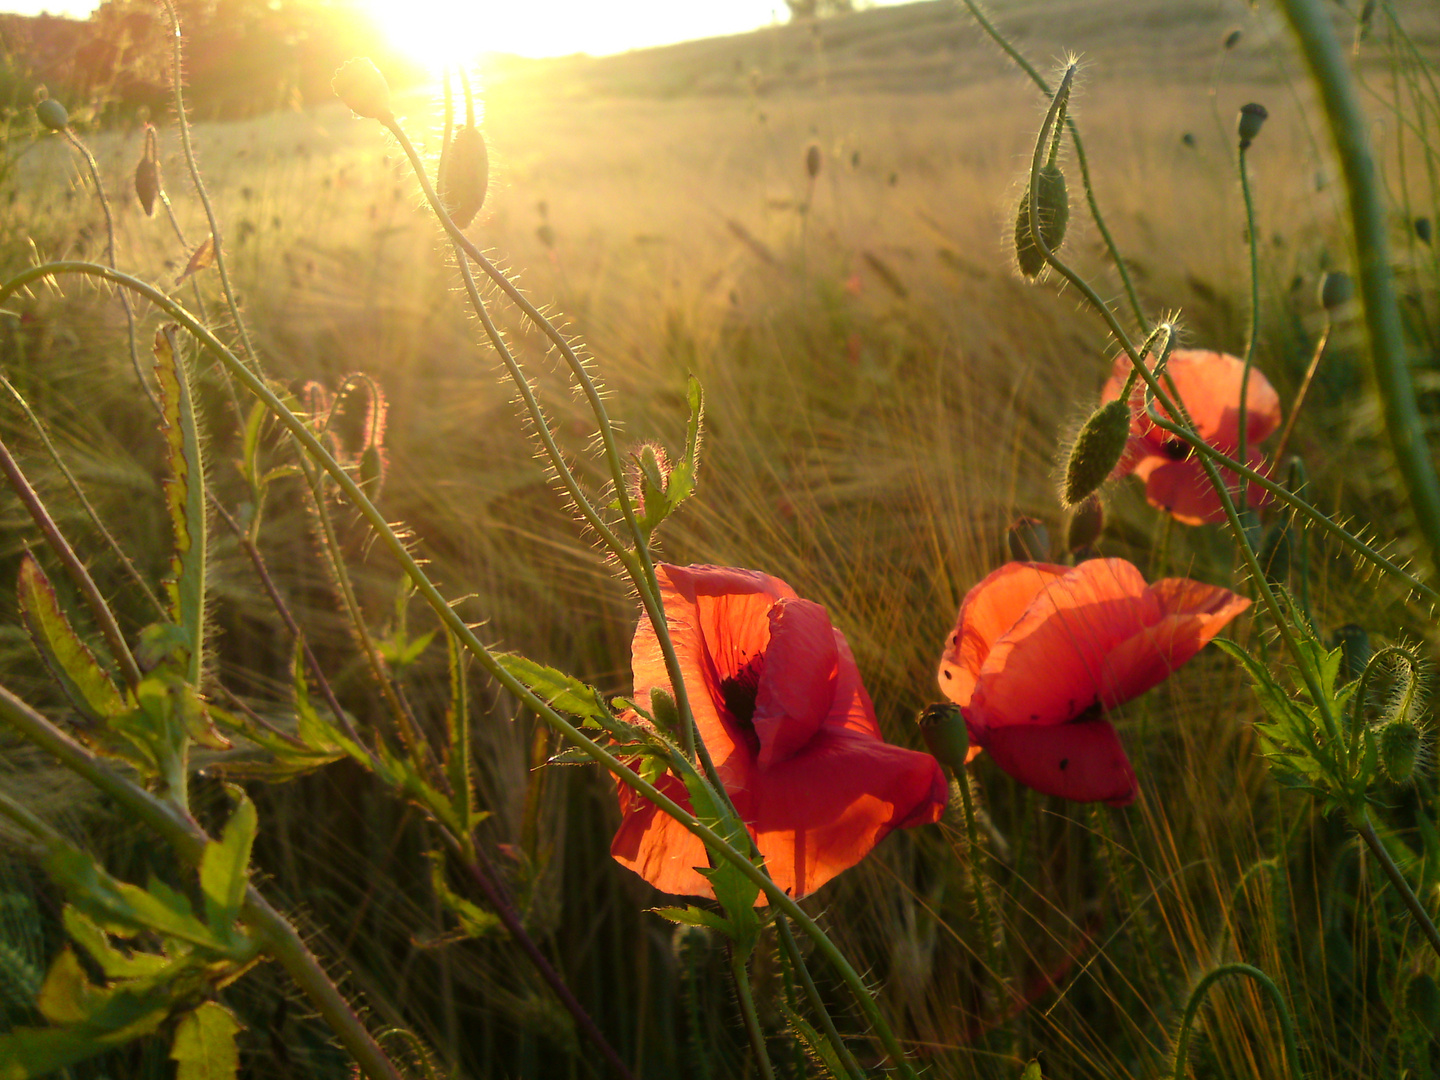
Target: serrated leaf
[562, 692]
[72, 663]
[474, 920]
[683, 476]
[204, 1044]
[28, 1053]
[735, 891]
[67, 996]
[816, 1045]
[185, 497]
[115, 962]
[694, 916]
[225, 867]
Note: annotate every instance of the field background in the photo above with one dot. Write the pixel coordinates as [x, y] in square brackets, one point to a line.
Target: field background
[884, 395]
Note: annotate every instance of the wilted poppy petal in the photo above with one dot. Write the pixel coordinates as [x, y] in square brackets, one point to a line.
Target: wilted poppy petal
[1082, 761]
[798, 683]
[989, 610]
[822, 811]
[1051, 666]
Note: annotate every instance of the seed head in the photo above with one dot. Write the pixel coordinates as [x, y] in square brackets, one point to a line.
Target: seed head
[1028, 540]
[464, 175]
[1252, 118]
[1096, 451]
[1052, 206]
[812, 160]
[1400, 745]
[147, 173]
[1422, 229]
[1336, 289]
[359, 84]
[52, 114]
[943, 726]
[1233, 38]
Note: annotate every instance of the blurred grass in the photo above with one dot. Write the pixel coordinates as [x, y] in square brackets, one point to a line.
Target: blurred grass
[883, 396]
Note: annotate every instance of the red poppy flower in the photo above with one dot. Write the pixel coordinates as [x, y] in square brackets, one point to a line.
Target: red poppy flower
[1209, 386]
[778, 701]
[1040, 652]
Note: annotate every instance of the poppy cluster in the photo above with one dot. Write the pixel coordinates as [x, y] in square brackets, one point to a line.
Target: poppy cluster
[1208, 385]
[1040, 652]
[778, 701]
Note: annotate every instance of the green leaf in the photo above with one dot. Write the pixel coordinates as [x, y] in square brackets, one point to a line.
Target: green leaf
[1032, 1072]
[225, 866]
[694, 916]
[733, 889]
[67, 995]
[474, 920]
[684, 475]
[27, 1053]
[204, 1044]
[816, 1044]
[250, 445]
[74, 666]
[185, 497]
[562, 692]
[116, 963]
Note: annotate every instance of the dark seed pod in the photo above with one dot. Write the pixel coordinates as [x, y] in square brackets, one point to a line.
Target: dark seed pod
[465, 175]
[1028, 540]
[1336, 289]
[1233, 38]
[52, 114]
[1087, 522]
[1052, 206]
[812, 161]
[1096, 451]
[147, 173]
[1422, 229]
[1252, 118]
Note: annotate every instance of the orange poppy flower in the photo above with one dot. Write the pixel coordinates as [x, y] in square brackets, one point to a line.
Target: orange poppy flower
[1209, 386]
[778, 701]
[1040, 652]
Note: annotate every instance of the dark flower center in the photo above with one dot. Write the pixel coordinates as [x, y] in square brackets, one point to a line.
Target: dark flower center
[1176, 449]
[738, 692]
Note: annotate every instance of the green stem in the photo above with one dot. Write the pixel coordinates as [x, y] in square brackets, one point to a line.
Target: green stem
[817, 1003]
[1310, 19]
[1252, 244]
[457, 625]
[977, 884]
[741, 973]
[1417, 910]
[1287, 1025]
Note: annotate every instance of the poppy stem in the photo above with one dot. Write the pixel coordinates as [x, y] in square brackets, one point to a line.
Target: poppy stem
[812, 994]
[977, 881]
[740, 970]
[1253, 245]
[1197, 997]
[1422, 918]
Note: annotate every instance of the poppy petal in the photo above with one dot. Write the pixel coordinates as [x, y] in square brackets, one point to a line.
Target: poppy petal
[1051, 666]
[656, 846]
[856, 790]
[1182, 489]
[1083, 761]
[988, 611]
[798, 683]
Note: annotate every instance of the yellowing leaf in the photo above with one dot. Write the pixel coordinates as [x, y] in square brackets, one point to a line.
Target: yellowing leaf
[202, 259]
[204, 1044]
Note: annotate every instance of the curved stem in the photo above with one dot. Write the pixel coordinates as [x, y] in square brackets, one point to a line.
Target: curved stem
[1350, 131]
[466, 635]
[1197, 996]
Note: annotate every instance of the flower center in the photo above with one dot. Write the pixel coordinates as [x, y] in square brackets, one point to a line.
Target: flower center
[1176, 449]
[738, 692]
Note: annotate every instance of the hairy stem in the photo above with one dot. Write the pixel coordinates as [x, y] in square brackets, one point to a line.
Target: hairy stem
[1197, 997]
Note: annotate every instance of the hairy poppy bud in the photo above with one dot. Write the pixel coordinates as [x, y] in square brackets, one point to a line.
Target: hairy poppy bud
[147, 173]
[1422, 998]
[1087, 522]
[359, 84]
[464, 175]
[1096, 451]
[52, 114]
[943, 726]
[663, 710]
[1400, 745]
[1052, 208]
[1028, 540]
[1336, 289]
[1252, 117]
[374, 464]
[812, 161]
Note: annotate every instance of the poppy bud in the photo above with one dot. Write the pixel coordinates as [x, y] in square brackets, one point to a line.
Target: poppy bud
[1252, 117]
[1355, 651]
[359, 84]
[1422, 229]
[1336, 289]
[1422, 998]
[52, 114]
[1087, 522]
[943, 726]
[147, 174]
[464, 175]
[1400, 745]
[812, 161]
[1096, 451]
[1233, 38]
[1052, 207]
[663, 710]
[1028, 540]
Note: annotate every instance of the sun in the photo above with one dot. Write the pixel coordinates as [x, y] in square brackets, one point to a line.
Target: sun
[441, 34]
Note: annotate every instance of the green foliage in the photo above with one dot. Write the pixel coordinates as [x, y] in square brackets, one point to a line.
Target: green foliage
[205, 1044]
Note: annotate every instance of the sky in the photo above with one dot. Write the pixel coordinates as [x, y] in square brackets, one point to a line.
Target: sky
[532, 27]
